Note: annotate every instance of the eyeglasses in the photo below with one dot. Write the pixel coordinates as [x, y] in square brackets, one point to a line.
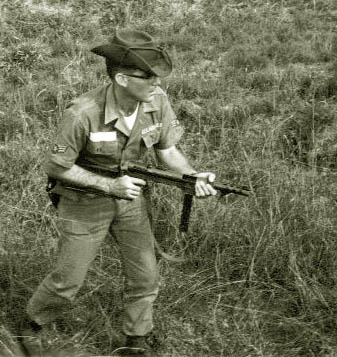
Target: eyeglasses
[148, 76]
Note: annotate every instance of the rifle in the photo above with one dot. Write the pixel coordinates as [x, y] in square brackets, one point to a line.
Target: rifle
[184, 182]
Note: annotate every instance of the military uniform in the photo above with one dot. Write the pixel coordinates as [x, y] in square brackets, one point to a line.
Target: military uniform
[92, 133]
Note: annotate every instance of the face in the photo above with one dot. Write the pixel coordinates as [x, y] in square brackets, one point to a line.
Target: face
[141, 85]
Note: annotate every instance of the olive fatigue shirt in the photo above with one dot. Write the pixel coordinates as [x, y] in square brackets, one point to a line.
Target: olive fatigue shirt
[93, 133]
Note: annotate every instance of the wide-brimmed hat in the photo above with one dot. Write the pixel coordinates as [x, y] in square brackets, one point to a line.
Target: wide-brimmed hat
[136, 49]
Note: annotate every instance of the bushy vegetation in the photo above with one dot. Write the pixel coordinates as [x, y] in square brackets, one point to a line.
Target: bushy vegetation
[255, 87]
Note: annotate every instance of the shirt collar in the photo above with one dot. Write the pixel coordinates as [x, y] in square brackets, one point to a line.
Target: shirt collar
[110, 106]
[112, 114]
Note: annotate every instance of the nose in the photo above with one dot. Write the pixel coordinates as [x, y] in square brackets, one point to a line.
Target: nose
[156, 81]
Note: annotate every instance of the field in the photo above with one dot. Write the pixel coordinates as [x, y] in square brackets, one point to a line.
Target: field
[255, 86]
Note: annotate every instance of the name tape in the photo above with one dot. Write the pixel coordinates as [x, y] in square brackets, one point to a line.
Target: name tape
[152, 128]
[103, 136]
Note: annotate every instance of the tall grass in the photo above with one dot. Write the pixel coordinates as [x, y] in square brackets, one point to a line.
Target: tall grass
[255, 87]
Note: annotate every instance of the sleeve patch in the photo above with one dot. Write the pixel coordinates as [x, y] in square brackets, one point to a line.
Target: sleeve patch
[59, 149]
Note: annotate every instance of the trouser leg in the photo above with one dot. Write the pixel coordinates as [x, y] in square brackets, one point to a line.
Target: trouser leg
[133, 233]
[83, 226]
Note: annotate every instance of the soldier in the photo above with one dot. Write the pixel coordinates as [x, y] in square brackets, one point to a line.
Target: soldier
[105, 127]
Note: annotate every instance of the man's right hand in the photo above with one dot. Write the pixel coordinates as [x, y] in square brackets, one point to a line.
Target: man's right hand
[126, 187]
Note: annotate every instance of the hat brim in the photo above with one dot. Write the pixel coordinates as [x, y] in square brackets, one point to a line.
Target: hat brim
[153, 60]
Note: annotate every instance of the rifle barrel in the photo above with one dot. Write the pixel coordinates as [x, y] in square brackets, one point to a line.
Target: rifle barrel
[226, 189]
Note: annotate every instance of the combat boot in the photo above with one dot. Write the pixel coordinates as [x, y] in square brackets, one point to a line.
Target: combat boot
[30, 337]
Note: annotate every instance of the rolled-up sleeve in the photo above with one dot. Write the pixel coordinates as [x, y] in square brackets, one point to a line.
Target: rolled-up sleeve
[171, 130]
[69, 141]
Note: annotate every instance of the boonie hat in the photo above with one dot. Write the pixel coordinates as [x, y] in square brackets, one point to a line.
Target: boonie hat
[136, 49]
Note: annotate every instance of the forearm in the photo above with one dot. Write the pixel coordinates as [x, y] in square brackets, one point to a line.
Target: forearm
[175, 160]
[123, 187]
[79, 176]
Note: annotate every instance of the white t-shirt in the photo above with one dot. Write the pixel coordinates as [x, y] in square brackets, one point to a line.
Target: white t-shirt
[130, 120]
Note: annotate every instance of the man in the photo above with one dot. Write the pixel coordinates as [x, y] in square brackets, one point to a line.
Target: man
[103, 128]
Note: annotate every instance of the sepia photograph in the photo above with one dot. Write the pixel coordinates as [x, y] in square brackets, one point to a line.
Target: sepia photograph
[168, 178]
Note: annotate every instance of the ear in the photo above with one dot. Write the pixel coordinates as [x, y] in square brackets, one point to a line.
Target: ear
[121, 79]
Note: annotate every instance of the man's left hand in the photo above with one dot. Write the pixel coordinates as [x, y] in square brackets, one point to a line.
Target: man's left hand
[203, 187]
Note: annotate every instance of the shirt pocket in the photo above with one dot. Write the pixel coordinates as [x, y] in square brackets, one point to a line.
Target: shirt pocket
[102, 147]
[151, 138]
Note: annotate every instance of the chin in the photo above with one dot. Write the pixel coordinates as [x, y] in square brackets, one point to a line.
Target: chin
[148, 99]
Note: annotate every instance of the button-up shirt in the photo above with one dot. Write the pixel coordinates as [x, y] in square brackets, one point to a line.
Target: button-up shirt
[92, 132]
